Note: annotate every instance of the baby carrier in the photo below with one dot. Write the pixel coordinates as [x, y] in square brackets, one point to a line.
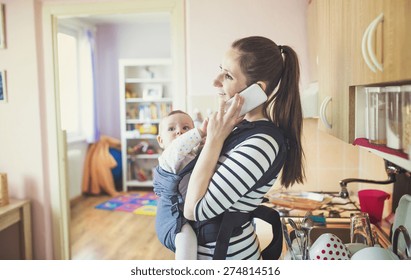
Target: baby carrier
[171, 191]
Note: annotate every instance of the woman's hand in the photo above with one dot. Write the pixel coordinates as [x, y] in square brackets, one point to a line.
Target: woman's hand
[220, 125]
[203, 128]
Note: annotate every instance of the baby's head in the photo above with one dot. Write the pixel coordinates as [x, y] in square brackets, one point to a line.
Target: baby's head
[175, 124]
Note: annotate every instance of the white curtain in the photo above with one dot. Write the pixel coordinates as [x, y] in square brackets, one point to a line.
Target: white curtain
[87, 85]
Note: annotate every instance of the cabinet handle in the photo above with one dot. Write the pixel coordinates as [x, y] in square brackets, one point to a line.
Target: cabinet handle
[364, 49]
[366, 45]
[323, 107]
[374, 25]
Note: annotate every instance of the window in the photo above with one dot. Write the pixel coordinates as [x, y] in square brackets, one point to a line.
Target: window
[76, 83]
[70, 104]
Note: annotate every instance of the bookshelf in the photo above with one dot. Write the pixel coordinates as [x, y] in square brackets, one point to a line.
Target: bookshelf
[146, 90]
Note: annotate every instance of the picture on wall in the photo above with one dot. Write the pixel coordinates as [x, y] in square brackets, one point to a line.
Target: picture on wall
[3, 92]
[153, 91]
[2, 28]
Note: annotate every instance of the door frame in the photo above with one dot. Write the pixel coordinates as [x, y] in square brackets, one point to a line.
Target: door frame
[56, 141]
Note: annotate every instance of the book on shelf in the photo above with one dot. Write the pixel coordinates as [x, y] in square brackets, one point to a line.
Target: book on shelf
[152, 111]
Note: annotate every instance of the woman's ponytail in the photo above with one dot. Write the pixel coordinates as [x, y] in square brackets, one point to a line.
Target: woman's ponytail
[286, 112]
[262, 60]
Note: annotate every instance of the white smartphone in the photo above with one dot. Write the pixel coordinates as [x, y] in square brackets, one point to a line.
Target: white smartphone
[253, 96]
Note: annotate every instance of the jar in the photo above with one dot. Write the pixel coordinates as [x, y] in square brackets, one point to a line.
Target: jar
[375, 121]
[393, 108]
[406, 118]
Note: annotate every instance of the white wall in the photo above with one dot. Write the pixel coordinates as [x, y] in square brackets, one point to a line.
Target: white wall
[213, 25]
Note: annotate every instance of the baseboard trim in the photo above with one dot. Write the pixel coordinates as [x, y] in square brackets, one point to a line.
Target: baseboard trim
[76, 200]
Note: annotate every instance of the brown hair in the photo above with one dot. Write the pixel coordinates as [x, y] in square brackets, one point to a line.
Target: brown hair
[263, 60]
[175, 112]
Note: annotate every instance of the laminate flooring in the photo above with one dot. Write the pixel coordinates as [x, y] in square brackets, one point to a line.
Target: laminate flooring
[112, 235]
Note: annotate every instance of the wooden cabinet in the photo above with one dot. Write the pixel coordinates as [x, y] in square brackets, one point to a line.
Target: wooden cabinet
[146, 91]
[358, 43]
[333, 67]
[380, 30]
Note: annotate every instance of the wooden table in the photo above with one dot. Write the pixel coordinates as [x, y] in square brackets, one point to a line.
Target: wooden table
[18, 211]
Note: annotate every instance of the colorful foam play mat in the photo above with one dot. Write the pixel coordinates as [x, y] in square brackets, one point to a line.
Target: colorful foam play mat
[137, 203]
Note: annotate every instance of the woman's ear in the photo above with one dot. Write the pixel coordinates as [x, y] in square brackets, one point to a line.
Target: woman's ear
[262, 84]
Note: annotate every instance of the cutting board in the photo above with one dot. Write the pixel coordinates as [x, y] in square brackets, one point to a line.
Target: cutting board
[299, 200]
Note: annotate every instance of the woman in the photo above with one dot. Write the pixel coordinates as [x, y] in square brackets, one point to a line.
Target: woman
[222, 182]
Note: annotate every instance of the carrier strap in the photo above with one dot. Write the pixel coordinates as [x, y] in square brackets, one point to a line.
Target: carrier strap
[233, 220]
[176, 212]
[271, 216]
[230, 221]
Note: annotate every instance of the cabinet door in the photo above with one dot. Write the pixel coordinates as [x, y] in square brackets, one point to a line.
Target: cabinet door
[324, 56]
[363, 13]
[390, 41]
[397, 40]
[334, 67]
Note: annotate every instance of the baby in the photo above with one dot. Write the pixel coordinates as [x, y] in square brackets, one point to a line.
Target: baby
[180, 141]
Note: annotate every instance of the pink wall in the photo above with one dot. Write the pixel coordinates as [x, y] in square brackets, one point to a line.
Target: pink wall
[22, 154]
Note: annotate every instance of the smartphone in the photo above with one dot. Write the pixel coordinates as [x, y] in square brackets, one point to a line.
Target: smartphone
[253, 96]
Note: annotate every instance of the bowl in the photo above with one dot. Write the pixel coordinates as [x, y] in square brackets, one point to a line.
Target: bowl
[328, 246]
[355, 247]
[374, 253]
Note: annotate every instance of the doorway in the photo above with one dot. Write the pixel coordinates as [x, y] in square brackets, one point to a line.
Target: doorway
[58, 167]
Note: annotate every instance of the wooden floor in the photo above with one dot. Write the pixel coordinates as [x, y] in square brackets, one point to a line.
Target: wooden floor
[105, 235]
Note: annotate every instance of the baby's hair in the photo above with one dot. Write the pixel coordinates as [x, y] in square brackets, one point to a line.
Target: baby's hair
[174, 112]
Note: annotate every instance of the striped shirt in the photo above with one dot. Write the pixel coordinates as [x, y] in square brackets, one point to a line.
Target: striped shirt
[236, 173]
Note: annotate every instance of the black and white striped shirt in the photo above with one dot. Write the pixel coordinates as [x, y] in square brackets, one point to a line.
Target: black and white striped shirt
[236, 173]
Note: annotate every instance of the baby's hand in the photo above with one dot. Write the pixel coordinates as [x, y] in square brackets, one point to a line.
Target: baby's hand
[203, 128]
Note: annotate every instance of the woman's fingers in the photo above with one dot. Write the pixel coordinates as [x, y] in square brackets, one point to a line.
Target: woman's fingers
[240, 105]
[234, 109]
[204, 126]
[221, 123]
[221, 103]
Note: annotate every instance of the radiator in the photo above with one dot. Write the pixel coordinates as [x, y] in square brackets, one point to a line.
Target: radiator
[75, 162]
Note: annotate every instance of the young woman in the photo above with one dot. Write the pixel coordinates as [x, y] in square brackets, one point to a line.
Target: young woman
[222, 183]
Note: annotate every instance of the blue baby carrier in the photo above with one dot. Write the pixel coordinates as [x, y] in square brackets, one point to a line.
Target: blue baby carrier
[171, 189]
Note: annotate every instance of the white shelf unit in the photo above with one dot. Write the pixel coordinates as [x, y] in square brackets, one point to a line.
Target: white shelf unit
[146, 95]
